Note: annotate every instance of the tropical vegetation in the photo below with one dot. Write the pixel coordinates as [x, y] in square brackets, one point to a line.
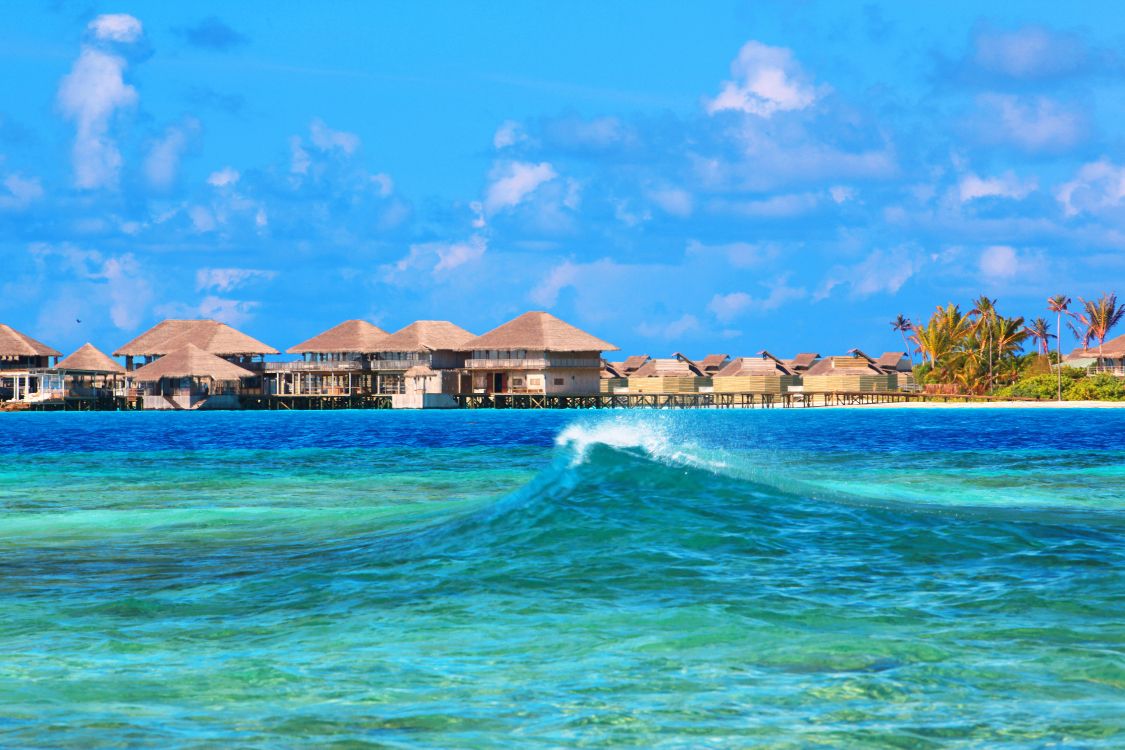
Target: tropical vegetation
[984, 351]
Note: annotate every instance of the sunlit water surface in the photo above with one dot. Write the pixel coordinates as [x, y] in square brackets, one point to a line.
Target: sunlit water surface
[787, 578]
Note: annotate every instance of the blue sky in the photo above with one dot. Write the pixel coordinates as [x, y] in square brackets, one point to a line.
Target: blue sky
[726, 177]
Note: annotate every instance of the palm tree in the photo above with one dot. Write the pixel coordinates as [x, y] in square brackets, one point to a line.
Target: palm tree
[902, 324]
[1099, 317]
[985, 310]
[1058, 305]
[1040, 330]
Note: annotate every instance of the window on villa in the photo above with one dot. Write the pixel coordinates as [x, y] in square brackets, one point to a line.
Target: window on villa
[559, 381]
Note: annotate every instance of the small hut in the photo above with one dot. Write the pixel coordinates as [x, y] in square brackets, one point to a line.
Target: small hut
[190, 378]
[1108, 358]
[676, 375]
[853, 373]
[764, 374]
[89, 373]
[24, 366]
[536, 353]
[899, 365]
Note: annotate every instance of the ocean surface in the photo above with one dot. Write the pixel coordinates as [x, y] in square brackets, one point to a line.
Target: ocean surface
[784, 579]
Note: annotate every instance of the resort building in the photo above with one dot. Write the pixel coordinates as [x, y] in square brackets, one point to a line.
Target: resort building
[336, 362]
[712, 363]
[1109, 359]
[211, 336]
[899, 365]
[24, 366]
[852, 373]
[191, 378]
[802, 362]
[764, 374]
[536, 353]
[425, 361]
[88, 375]
[676, 375]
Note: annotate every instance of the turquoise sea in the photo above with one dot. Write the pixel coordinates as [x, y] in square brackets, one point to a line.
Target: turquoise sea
[783, 579]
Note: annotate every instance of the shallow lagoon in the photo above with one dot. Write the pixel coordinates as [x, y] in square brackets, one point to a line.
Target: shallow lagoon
[786, 578]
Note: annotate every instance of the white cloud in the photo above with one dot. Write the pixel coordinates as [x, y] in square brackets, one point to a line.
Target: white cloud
[116, 27]
[882, 272]
[89, 95]
[727, 307]
[163, 160]
[738, 254]
[508, 134]
[224, 177]
[513, 181]
[1028, 53]
[202, 220]
[1006, 185]
[776, 206]
[327, 139]
[672, 200]
[233, 312]
[129, 291]
[999, 262]
[675, 329]
[1098, 186]
[21, 192]
[1031, 124]
[766, 80]
[546, 292]
[435, 258]
[841, 193]
[299, 159]
[117, 283]
[228, 279]
[383, 183]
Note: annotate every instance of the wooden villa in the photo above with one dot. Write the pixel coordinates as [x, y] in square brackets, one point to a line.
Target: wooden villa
[24, 366]
[425, 361]
[675, 375]
[852, 373]
[1109, 359]
[191, 378]
[764, 374]
[89, 375]
[899, 365]
[536, 353]
[334, 363]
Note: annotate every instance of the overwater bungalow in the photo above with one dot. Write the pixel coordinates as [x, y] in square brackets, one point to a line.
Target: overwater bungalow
[191, 378]
[336, 362]
[424, 362]
[899, 365]
[677, 374]
[712, 363]
[89, 374]
[1109, 359]
[536, 353]
[764, 374]
[854, 372]
[24, 366]
[802, 362]
[211, 336]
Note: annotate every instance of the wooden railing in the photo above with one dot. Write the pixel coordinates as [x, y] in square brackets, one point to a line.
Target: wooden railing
[530, 363]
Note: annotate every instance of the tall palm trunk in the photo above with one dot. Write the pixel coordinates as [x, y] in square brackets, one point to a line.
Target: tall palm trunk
[1058, 365]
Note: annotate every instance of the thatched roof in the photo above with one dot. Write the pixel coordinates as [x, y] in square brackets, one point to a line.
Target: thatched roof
[631, 364]
[420, 371]
[803, 361]
[767, 364]
[1114, 348]
[425, 335]
[712, 363]
[355, 336]
[16, 344]
[667, 368]
[851, 364]
[89, 358]
[891, 360]
[539, 331]
[209, 335]
[191, 362]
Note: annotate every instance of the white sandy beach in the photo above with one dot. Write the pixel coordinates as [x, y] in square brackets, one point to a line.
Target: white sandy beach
[993, 405]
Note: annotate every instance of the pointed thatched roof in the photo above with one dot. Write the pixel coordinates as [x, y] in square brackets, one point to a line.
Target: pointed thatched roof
[803, 361]
[850, 364]
[191, 362]
[631, 364]
[425, 335]
[766, 364]
[539, 331]
[354, 336]
[209, 335]
[891, 361]
[679, 367]
[15, 344]
[89, 358]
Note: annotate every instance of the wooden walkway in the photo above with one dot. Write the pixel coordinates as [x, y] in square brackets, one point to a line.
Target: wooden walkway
[682, 400]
